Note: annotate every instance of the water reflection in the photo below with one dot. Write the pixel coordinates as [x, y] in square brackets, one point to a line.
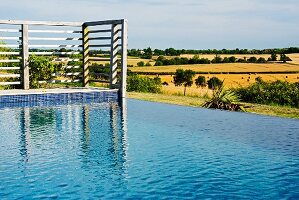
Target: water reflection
[95, 133]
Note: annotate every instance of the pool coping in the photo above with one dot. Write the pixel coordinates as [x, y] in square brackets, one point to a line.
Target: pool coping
[54, 91]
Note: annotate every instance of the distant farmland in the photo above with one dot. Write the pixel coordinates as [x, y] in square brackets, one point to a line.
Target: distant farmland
[234, 74]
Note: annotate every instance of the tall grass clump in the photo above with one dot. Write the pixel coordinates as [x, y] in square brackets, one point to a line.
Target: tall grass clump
[143, 84]
[273, 93]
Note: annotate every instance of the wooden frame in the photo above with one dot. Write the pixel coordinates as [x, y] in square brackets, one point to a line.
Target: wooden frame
[115, 45]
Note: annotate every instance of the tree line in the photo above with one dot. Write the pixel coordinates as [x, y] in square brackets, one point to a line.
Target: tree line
[162, 61]
[148, 52]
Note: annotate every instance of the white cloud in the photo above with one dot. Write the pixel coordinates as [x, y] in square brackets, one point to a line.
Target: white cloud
[181, 24]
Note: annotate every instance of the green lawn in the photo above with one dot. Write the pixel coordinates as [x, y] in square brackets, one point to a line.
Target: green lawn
[280, 111]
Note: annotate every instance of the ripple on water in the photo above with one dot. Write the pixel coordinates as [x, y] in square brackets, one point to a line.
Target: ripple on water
[159, 152]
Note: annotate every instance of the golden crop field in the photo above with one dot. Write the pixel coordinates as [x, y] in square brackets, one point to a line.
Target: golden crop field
[237, 80]
[223, 67]
[294, 56]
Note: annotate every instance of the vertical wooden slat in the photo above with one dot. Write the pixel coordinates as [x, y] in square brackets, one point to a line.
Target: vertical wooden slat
[124, 42]
[113, 57]
[25, 57]
[85, 50]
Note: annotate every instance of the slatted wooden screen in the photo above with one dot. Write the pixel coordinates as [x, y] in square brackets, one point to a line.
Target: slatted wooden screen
[82, 49]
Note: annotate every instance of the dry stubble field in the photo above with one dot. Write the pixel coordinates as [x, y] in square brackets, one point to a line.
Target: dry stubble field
[246, 77]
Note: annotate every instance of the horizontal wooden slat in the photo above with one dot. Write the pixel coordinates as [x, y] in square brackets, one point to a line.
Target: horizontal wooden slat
[98, 59]
[9, 53]
[10, 83]
[99, 38]
[10, 45]
[9, 61]
[52, 39]
[10, 75]
[10, 68]
[47, 23]
[100, 31]
[10, 38]
[105, 22]
[54, 31]
[100, 45]
[52, 46]
[10, 30]
[71, 67]
[56, 53]
[66, 60]
[67, 74]
[61, 81]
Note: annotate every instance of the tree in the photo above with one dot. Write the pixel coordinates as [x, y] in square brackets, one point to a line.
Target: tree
[201, 81]
[284, 58]
[273, 57]
[214, 83]
[217, 59]
[261, 60]
[183, 77]
[140, 64]
[252, 59]
[148, 53]
[232, 59]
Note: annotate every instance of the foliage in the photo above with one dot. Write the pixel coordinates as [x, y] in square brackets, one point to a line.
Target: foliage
[178, 52]
[183, 77]
[224, 99]
[143, 84]
[99, 71]
[277, 92]
[252, 59]
[261, 60]
[162, 61]
[200, 81]
[215, 83]
[273, 57]
[41, 69]
[217, 59]
[284, 58]
[140, 64]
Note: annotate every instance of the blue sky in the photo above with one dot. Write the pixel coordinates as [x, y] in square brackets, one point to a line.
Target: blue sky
[189, 24]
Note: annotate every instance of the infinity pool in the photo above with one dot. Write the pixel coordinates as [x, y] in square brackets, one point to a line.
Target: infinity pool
[146, 150]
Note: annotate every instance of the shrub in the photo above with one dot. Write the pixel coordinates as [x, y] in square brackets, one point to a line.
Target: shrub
[41, 69]
[252, 59]
[284, 58]
[143, 84]
[140, 64]
[224, 99]
[148, 64]
[214, 83]
[217, 59]
[278, 92]
[261, 60]
[201, 81]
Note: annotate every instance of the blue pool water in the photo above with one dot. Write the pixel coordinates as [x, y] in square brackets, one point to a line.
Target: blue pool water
[146, 150]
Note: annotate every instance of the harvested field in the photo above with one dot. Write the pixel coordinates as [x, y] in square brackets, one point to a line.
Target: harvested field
[223, 68]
